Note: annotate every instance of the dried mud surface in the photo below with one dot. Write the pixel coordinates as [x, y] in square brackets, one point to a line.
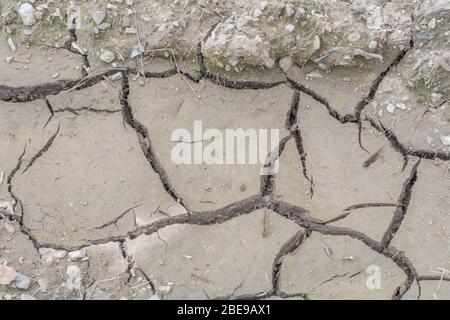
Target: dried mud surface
[86, 167]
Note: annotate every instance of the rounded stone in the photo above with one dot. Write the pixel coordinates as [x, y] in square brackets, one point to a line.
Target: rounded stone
[285, 63]
[107, 56]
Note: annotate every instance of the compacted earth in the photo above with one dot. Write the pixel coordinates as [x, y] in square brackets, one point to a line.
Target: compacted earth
[93, 205]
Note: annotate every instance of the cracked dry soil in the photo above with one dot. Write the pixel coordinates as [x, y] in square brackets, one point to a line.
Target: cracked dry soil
[86, 166]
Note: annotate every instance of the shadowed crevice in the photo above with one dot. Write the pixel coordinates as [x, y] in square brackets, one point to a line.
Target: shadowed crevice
[298, 215]
[293, 125]
[145, 142]
[348, 118]
[270, 169]
[350, 209]
[402, 207]
[289, 247]
[43, 150]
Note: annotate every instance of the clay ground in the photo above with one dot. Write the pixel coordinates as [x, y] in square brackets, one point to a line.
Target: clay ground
[85, 168]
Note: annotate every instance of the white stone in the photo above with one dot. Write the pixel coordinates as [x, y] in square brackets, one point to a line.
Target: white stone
[26, 13]
[130, 30]
[43, 285]
[45, 251]
[432, 23]
[73, 281]
[289, 28]
[314, 74]
[316, 42]
[268, 62]
[98, 16]
[22, 282]
[445, 140]
[11, 45]
[257, 13]
[59, 254]
[373, 44]
[290, 10]
[299, 12]
[111, 6]
[7, 206]
[263, 5]
[76, 255]
[164, 289]
[368, 55]
[354, 37]
[435, 97]
[285, 63]
[10, 228]
[390, 108]
[107, 56]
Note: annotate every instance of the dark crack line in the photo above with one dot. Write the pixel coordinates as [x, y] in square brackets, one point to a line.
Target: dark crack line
[41, 91]
[289, 247]
[68, 46]
[145, 142]
[49, 107]
[293, 126]
[200, 58]
[433, 278]
[52, 112]
[27, 94]
[128, 258]
[20, 218]
[360, 136]
[392, 140]
[336, 276]
[85, 66]
[360, 106]
[218, 216]
[249, 205]
[44, 149]
[402, 207]
[160, 75]
[294, 213]
[116, 219]
[241, 85]
[332, 112]
[88, 109]
[147, 279]
[72, 37]
[291, 116]
[231, 84]
[10, 177]
[350, 209]
[297, 214]
[264, 295]
[267, 183]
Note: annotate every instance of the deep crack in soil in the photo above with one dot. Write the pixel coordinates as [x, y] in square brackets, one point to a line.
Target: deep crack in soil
[302, 217]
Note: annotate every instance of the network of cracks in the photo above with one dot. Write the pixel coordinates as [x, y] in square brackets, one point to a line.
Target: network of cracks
[265, 198]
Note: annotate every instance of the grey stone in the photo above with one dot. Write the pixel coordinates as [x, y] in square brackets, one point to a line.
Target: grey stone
[22, 282]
